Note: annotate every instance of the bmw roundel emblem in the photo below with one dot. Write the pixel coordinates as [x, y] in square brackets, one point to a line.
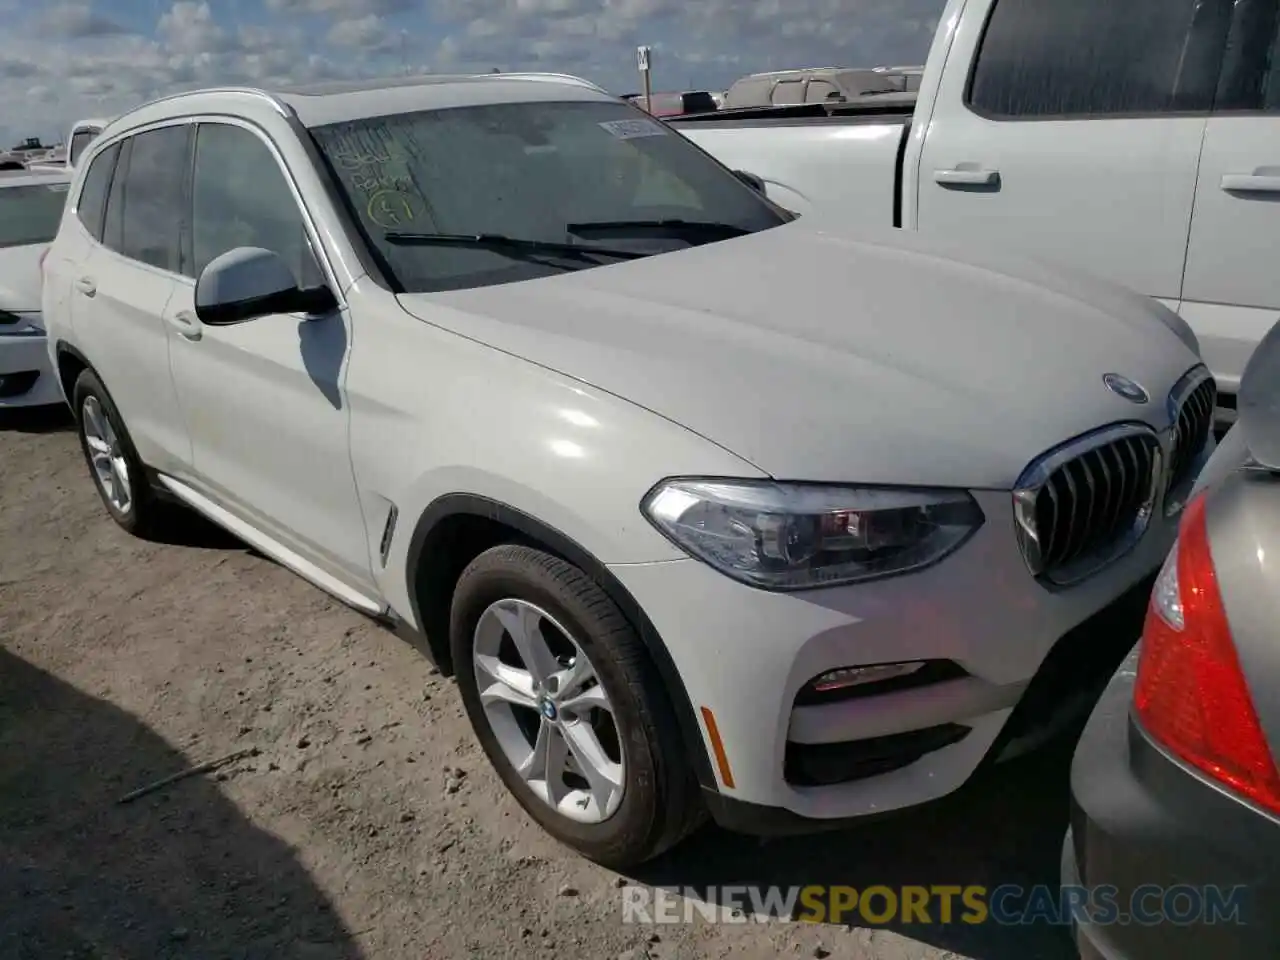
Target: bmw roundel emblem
[1124, 387]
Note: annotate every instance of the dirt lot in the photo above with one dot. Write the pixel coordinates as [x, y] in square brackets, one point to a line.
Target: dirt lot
[368, 824]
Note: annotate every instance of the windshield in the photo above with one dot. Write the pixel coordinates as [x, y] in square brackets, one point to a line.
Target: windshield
[544, 172]
[30, 213]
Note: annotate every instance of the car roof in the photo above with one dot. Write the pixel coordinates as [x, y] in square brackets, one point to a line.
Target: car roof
[319, 104]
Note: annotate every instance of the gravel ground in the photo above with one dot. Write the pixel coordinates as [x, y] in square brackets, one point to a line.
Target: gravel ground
[367, 823]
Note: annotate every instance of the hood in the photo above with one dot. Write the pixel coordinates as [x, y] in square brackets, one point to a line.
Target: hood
[20, 278]
[828, 357]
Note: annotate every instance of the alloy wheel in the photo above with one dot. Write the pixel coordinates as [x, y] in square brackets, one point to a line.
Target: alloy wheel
[110, 467]
[548, 710]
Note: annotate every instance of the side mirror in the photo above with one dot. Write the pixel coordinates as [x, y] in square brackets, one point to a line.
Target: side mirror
[1258, 402]
[249, 282]
[751, 180]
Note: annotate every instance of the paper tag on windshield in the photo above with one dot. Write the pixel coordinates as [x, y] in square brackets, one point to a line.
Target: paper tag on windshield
[630, 129]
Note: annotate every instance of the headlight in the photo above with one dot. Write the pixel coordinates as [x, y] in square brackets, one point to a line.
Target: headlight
[793, 536]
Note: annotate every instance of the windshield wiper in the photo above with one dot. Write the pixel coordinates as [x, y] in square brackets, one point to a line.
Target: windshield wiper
[516, 245]
[677, 227]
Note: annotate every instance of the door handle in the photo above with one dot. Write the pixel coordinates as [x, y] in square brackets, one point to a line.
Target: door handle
[187, 324]
[86, 286]
[967, 176]
[1251, 183]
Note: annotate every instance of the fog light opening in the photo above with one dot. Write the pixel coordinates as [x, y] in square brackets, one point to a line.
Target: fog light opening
[844, 683]
[847, 677]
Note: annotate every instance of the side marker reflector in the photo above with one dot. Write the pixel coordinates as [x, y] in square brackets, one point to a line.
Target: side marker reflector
[717, 747]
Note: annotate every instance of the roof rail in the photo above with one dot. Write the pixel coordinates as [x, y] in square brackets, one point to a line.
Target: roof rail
[556, 77]
[278, 104]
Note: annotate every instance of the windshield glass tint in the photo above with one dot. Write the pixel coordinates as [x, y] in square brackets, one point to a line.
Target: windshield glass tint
[30, 213]
[527, 170]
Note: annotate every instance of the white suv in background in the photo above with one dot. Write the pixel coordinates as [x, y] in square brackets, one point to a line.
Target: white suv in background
[705, 507]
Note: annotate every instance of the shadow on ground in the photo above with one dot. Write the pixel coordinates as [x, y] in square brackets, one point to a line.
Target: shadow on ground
[51, 419]
[1006, 827]
[183, 527]
[180, 873]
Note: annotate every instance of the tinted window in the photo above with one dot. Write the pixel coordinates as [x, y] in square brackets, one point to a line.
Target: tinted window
[113, 218]
[93, 195]
[240, 198]
[152, 197]
[699, 102]
[529, 171]
[1051, 58]
[30, 213]
[789, 91]
[663, 104]
[748, 93]
[820, 90]
[1251, 64]
[79, 140]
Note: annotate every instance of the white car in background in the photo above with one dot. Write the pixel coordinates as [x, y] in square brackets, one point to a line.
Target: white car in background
[30, 209]
[82, 134]
[707, 507]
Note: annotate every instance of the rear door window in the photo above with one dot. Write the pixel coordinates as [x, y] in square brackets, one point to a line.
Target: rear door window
[150, 201]
[92, 204]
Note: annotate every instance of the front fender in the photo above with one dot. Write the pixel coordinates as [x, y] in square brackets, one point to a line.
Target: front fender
[434, 414]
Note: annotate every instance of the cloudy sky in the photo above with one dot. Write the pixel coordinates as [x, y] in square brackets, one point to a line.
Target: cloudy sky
[63, 61]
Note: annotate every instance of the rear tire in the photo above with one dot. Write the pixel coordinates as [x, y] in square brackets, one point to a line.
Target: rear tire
[117, 472]
[652, 797]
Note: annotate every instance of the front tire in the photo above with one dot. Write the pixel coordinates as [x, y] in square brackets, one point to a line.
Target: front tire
[113, 462]
[569, 708]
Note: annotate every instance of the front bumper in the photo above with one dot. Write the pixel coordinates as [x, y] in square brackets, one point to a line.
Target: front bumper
[26, 379]
[744, 655]
[1150, 841]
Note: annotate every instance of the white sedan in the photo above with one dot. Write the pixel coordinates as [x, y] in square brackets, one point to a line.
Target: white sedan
[30, 210]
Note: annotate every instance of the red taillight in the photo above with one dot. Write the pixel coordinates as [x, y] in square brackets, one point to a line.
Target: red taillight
[1190, 694]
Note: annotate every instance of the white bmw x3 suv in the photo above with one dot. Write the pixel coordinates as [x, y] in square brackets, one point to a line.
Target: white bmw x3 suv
[708, 508]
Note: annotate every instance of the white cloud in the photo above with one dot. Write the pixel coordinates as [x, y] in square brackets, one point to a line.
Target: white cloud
[343, 9]
[94, 57]
[188, 27]
[368, 33]
[76, 21]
